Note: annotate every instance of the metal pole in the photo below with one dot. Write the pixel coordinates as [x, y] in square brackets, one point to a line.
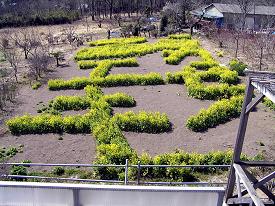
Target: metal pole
[238, 187]
[138, 173]
[126, 172]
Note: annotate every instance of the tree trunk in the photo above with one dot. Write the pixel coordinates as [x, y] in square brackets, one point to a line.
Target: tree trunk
[111, 8]
[93, 10]
[237, 47]
[261, 58]
[26, 53]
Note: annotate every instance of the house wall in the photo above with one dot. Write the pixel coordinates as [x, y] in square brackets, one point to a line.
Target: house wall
[232, 21]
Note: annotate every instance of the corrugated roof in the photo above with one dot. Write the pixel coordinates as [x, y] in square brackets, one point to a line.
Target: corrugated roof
[235, 9]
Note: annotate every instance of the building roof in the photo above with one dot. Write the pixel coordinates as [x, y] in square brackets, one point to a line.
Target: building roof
[235, 9]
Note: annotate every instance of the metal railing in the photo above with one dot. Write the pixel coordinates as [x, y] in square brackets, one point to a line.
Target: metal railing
[126, 167]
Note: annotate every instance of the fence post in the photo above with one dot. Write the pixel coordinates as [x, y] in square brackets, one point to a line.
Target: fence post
[126, 173]
[138, 173]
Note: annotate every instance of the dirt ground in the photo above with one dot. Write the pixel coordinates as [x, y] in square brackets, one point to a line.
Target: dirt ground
[171, 99]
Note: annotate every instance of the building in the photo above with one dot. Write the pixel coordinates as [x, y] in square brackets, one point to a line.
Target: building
[231, 15]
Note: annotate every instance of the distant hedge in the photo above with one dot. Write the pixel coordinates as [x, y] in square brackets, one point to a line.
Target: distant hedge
[46, 18]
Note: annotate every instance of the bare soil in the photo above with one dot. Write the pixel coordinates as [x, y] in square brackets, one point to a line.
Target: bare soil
[171, 99]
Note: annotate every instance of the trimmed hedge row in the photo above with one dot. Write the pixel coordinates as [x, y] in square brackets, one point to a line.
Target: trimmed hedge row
[109, 81]
[197, 89]
[104, 67]
[220, 112]
[65, 103]
[118, 51]
[129, 80]
[131, 50]
[132, 40]
[87, 64]
[180, 36]
[203, 65]
[46, 123]
[120, 100]
[143, 122]
[177, 56]
[74, 83]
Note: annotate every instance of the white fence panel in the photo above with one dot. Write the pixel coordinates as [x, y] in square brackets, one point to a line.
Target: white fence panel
[46, 194]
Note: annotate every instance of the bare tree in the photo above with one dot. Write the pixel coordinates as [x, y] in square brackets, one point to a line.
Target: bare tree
[39, 62]
[13, 58]
[26, 39]
[70, 32]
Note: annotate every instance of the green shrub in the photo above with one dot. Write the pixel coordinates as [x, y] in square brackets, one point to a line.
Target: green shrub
[177, 56]
[203, 65]
[74, 83]
[65, 103]
[105, 66]
[18, 170]
[175, 78]
[115, 51]
[120, 100]
[220, 53]
[143, 122]
[180, 36]
[132, 40]
[46, 123]
[87, 64]
[237, 66]
[93, 93]
[58, 171]
[269, 103]
[220, 112]
[129, 80]
[36, 85]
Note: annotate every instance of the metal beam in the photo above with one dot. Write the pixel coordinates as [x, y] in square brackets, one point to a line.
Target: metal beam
[261, 187]
[253, 104]
[240, 139]
[257, 163]
[249, 187]
[243, 122]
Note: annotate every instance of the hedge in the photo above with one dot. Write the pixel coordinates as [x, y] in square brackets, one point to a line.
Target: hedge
[105, 66]
[87, 64]
[203, 65]
[237, 66]
[143, 122]
[65, 103]
[131, 50]
[269, 103]
[132, 40]
[74, 83]
[120, 100]
[180, 36]
[220, 112]
[46, 123]
[117, 51]
[129, 80]
[177, 56]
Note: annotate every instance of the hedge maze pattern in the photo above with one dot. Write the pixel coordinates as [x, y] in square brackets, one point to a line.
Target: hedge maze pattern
[106, 128]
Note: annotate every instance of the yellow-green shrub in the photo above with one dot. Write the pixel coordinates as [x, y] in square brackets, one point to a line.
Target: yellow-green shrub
[180, 36]
[120, 100]
[129, 80]
[64, 103]
[143, 122]
[132, 40]
[74, 83]
[220, 112]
